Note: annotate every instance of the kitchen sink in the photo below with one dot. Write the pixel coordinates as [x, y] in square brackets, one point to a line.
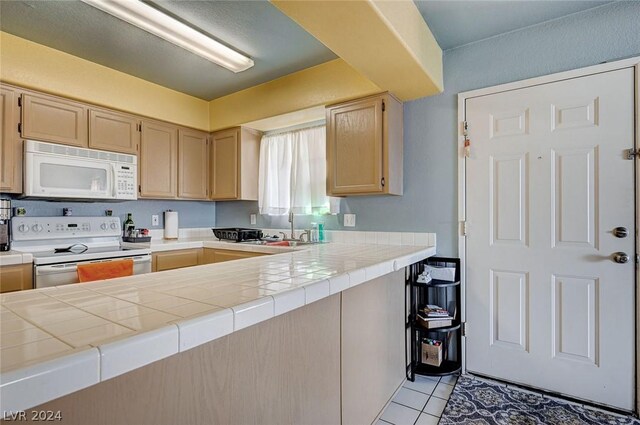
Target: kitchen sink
[290, 242]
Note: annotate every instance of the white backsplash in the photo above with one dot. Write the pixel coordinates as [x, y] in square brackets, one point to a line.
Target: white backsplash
[338, 236]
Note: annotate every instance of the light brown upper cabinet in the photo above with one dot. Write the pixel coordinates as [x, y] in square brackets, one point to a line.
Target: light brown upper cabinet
[193, 164]
[10, 142]
[55, 120]
[158, 161]
[114, 131]
[364, 147]
[233, 171]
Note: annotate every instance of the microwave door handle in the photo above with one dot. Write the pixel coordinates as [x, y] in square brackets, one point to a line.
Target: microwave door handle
[114, 181]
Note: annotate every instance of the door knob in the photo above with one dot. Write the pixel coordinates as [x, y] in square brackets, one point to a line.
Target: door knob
[620, 232]
[620, 257]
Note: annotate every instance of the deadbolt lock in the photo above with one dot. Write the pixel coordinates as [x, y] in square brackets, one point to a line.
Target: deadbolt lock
[620, 232]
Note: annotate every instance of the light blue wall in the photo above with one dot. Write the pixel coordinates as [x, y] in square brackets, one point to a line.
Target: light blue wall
[430, 163]
[191, 213]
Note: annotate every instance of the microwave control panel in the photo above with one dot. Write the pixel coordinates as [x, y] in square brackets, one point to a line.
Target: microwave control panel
[42, 228]
[126, 181]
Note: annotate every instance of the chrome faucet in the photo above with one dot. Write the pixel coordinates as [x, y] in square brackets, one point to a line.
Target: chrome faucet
[293, 232]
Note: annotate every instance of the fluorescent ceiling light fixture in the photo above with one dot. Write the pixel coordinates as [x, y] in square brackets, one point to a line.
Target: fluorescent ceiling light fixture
[164, 26]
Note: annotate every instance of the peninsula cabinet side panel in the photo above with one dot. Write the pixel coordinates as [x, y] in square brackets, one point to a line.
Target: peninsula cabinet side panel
[282, 371]
[372, 340]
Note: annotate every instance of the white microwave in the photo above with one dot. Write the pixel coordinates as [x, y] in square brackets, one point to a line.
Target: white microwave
[59, 171]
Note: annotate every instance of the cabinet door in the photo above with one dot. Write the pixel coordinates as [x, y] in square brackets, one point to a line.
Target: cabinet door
[225, 155]
[354, 148]
[16, 278]
[176, 259]
[10, 143]
[193, 164]
[158, 166]
[208, 256]
[50, 119]
[113, 131]
[222, 255]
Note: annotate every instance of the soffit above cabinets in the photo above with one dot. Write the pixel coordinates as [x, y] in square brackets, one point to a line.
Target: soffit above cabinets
[456, 23]
[256, 28]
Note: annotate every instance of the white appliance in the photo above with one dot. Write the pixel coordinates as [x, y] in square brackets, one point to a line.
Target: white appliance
[59, 171]
[59, 244]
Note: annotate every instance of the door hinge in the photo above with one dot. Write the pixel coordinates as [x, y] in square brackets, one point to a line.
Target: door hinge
[139, 128]
[463, 228]
[384, 107]
[382, 181]
[20, 101]
[139, 188]
[632, 153]
[20, 128]
[463, 328]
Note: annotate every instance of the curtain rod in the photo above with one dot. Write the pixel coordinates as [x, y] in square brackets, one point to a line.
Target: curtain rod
[302, 126]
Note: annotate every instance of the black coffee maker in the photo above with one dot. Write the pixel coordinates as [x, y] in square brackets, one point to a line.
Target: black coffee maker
[5, 224]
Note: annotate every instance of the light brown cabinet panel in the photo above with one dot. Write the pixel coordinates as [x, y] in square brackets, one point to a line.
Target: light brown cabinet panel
[193, 164]
[10, 142]
[113, 131]
[52, 119]
[373, 364]
[364, 147]
[170, 260]
[225, 164]
[214, 255]
[16, 278]
[235, 154]
[158, 161]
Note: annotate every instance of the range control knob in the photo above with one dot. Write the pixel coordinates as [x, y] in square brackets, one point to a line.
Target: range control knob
[23, 228]
[114, 226]
[36, 228]
[103, 226]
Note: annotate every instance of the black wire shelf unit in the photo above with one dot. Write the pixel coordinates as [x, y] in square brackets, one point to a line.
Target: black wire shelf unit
[442, 293]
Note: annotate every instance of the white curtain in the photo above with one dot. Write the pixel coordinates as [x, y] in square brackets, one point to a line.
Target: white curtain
[293, 172]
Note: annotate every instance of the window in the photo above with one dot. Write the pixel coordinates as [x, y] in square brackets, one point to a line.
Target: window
[293, 172]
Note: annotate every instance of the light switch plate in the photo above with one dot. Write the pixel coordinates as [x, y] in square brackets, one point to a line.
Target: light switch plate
[349, 220]
[155, 220]
[253, 218]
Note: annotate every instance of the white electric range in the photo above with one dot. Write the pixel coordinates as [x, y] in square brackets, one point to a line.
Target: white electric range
[59, 244]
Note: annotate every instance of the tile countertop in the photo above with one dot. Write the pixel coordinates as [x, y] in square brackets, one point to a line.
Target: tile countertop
[159, 245]
[55, 341]
[10, 258]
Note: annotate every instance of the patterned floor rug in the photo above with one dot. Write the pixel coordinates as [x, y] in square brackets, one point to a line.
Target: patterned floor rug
[477, 402]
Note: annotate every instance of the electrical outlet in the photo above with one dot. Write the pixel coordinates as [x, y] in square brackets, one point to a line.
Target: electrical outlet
[349, 220]
[155, 220]
[254, 218]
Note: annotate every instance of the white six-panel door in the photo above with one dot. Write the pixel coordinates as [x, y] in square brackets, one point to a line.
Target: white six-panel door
[546, 183]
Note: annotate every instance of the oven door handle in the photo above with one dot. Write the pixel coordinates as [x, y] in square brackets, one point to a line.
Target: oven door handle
[71, 267]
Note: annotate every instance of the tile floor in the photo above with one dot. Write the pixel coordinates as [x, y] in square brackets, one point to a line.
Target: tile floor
[421, 402]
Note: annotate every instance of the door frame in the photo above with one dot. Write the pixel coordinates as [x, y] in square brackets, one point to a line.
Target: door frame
[633, 62]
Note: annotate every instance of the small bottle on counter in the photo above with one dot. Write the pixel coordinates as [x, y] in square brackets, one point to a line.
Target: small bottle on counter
[320, 232]
[128, 225]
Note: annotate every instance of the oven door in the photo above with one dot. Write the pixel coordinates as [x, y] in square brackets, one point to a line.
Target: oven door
[57, 176]
[65, 273]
